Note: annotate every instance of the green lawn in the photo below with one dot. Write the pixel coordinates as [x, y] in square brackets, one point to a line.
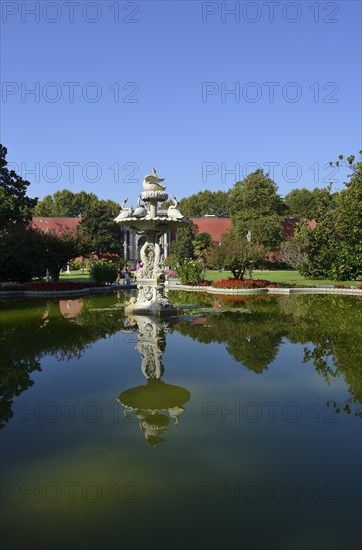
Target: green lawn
[289, 277]
[75, 276]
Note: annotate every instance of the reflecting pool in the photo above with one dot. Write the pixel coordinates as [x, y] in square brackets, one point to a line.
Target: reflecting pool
[235, 424]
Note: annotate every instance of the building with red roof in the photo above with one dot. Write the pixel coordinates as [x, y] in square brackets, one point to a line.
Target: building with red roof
[216, 227]
[59, 225]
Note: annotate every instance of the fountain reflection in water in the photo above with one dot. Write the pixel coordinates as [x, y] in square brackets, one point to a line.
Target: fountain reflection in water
[156, 403]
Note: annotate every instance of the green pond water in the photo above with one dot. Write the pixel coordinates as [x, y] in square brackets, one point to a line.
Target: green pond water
[235, 424]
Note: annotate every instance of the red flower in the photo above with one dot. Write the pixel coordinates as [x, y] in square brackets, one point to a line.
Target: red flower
[235, 283]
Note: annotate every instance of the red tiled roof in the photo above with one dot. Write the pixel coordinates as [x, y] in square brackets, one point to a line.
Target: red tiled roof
[289, 223]
[59, 225]
[216, 227]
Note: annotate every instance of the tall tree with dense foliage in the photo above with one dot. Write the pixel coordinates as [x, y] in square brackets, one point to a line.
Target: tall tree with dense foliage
[183, 246]
[334, 248]
[65, 204]
[98, 225]
[26, 252]
[202, 247]
[58, 250]
[256, 206]
[21, 254]
[205, 203]
[306, 204]
[15, 205]
[301, 203]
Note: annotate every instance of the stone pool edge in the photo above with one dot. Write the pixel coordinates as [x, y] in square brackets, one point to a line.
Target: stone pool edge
[266, 290]
[55, 293]
[208, 289]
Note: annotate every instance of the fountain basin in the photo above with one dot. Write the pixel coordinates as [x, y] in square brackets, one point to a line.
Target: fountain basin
[159, 224]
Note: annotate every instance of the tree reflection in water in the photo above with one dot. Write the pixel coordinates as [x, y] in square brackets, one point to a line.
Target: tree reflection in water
[251, 328]
[32, 330]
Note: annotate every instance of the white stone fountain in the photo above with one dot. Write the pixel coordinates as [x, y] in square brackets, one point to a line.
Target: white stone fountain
[152, 223]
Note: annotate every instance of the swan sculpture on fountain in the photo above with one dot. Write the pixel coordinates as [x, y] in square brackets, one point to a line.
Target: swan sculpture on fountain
[125, 212]
[140, 211]
[172, 211]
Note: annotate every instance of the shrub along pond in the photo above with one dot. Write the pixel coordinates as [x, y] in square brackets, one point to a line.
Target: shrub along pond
[234, 424]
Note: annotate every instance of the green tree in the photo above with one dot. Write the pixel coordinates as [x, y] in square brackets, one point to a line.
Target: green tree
[202, 247]
[302, 203]
[324, 201]
[98, 225]
[334, 248]
[45, 207]
[103, 271]
[256, 206]
[206, 202]
[183, 246]
[15, 205]
[238, 255]
[26, 252]
[21, 253]
[189, 271]
[65, 204]
[84, 201]
[58, 250]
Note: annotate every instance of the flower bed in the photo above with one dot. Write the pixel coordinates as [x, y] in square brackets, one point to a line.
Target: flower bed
[249, 283]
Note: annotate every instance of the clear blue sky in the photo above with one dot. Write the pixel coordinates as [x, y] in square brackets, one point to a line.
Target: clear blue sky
[163, 53]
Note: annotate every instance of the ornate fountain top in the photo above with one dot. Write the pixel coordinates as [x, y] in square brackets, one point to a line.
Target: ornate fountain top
[147, 217]
[152, 183]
